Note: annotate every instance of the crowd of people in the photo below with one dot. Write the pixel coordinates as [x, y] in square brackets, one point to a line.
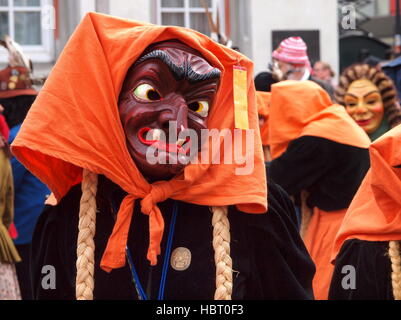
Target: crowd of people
[79, 193]
[320, 157]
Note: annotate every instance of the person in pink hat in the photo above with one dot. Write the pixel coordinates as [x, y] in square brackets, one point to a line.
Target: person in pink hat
[291, 62]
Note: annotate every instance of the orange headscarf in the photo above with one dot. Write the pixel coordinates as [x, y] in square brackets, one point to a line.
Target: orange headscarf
[375, 211]
[263, 102]
[74, 124]
[303, 108]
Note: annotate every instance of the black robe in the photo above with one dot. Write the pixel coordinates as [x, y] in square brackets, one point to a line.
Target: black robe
[371, 271]
[270, 260]
[331, 172]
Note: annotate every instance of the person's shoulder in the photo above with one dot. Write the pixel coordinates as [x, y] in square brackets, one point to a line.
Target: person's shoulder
[280, 204]
[311, 145]
[327, 86]
[355, 249]
[325, 144]
[67, 207]
[280, 214]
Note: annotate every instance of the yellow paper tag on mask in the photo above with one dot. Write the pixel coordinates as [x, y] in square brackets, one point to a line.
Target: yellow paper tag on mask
[240, 98]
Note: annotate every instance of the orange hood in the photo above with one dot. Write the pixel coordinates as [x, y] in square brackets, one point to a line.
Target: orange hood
[375, 211]
[303, 108]
[263, 102]
[74, 124]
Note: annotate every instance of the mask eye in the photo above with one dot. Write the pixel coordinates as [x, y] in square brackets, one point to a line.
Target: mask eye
[350, 103]
[200, 107]
[146, 92]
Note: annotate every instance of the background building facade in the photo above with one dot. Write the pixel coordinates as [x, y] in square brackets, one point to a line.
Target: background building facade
[254, 26]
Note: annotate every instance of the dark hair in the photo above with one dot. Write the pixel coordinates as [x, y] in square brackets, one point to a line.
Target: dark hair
[16, 108]
[264, 81]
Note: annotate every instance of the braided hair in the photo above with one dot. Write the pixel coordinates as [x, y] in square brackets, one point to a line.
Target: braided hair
[395, 258]
[85, 282]
[386, 87]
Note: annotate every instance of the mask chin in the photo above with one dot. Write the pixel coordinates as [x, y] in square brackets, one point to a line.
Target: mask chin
[160, 172]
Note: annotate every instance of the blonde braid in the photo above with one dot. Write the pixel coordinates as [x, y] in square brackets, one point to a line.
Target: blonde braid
[306, 213]
[85, 243]
[394, 253]
[222, 258]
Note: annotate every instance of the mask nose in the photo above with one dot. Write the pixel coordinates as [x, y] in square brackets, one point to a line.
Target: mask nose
[177, 111]
[361, 108]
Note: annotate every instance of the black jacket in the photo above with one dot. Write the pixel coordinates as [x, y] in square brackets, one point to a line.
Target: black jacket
[362, 272]
[270, 260]
[331, 172]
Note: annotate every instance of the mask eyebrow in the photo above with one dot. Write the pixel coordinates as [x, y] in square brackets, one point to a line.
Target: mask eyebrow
[368, 94]
[180, 72]
[351, 95]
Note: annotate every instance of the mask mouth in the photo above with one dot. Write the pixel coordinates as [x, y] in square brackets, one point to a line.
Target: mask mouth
[364, 118]
[180, 147]
[363, 122]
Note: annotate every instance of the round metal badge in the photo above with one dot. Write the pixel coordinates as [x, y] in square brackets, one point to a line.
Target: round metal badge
[180, 259]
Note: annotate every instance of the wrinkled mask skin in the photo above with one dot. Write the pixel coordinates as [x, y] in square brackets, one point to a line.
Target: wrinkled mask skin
[169, 82]
[364, 104]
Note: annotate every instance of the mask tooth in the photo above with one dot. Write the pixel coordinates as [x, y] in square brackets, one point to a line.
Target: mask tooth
[180, 142]
[156, 134]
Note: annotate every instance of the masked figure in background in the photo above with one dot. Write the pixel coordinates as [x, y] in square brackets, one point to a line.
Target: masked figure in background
[367, 247]
[370, 98]
[17, 95]
[113, 110]
[291, 62]
[320, 152]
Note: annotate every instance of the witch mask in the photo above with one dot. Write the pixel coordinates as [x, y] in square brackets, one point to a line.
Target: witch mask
[167, 93]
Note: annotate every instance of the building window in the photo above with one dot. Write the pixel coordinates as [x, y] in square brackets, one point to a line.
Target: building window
[189, 14]
[23, 21]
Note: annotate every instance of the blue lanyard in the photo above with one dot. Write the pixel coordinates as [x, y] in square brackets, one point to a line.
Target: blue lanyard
[141, 293]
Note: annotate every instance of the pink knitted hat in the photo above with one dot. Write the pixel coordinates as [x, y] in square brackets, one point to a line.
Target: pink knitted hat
[292, 50]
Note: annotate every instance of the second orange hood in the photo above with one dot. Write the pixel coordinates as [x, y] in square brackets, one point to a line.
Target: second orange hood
[303, 108]
[263, 102]
[375, 211]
